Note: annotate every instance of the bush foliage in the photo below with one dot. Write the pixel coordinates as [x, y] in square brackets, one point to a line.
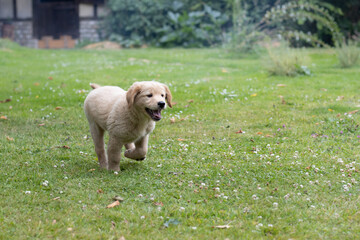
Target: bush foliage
[241, 23]
[167, 23]
[348, 54]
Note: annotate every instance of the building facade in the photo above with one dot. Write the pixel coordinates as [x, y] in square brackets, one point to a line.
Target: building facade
[51, 23]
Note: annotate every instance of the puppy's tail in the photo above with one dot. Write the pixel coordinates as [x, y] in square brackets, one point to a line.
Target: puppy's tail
[94, 85]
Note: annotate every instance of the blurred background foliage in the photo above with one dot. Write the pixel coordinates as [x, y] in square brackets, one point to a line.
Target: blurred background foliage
[239, 25]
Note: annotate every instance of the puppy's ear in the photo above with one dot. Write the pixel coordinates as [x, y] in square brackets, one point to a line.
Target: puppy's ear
[168, 96]
[131, 94]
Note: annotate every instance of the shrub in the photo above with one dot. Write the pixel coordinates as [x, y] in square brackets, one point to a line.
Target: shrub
[348, 54]
[166, 23]
[291, 19]
[285, 61]
[289, 22]
[244, 35]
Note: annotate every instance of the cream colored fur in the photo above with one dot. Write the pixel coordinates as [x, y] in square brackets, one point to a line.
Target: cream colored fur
[123, 114]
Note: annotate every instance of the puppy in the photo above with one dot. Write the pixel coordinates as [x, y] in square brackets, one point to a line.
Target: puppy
[128, 116]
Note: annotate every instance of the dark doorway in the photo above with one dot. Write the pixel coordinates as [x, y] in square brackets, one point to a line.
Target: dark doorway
[56, 18]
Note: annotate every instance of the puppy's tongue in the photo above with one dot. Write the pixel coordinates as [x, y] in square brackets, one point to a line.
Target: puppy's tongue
[157, 114]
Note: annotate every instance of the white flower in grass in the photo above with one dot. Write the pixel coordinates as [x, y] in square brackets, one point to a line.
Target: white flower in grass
[275, 204]
[45, 183]
[27, 192]
[255, 197]
[270, 225]
[181, 209]
[116, 173]
[259, 225]
[193, 228]
[142, 217]
[140, 195]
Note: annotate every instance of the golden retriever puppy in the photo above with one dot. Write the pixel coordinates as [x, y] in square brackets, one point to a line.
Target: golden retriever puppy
[128, 116]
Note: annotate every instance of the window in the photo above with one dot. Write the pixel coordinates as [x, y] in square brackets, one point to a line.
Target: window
[6, 9]
[86, 10]
[24, 9]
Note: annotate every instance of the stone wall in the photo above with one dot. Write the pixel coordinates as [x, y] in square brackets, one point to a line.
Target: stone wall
[89, 30]
[23, 33]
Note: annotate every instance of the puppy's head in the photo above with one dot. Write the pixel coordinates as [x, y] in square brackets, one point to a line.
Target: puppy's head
[149, 98]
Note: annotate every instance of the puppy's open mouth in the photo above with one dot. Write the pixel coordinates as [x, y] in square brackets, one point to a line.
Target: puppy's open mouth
[154, 114]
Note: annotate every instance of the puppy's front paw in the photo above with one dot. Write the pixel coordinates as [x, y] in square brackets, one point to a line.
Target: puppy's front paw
[128, 152]
[134, 154]
[114, 168]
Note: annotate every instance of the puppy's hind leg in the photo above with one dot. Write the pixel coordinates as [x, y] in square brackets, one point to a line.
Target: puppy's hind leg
[97, 134]
[114, 153]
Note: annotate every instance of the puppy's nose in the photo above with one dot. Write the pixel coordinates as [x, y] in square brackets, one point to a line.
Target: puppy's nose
[161, 104]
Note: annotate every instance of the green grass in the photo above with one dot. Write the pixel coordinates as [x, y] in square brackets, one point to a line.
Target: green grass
[282, 178]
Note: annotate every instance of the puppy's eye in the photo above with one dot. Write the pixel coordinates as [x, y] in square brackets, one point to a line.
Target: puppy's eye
[149, 95]
[162, 95]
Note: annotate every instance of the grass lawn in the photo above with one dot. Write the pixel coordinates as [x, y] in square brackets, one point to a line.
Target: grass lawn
[238, 155]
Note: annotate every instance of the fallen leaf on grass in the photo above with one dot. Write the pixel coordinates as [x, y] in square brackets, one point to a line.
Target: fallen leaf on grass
[114, 204]
[330, 110]
[41, 124]
[323, 89]
[353, 112]
[50, 78]
[99, 191]
[91, 170]
[339, 98]
[240, 131]
[57, 198]
[158, 204]
[180, 139]
[259, 133]
[224, 70]
[58, 108]
[222, 226]
[282, 100]
[9, 138]
[172, 120]
[253, 95]
[3, 118]
[36, 84]
[191, 101]
[5, 101]
[281, 85]
[118, 198]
